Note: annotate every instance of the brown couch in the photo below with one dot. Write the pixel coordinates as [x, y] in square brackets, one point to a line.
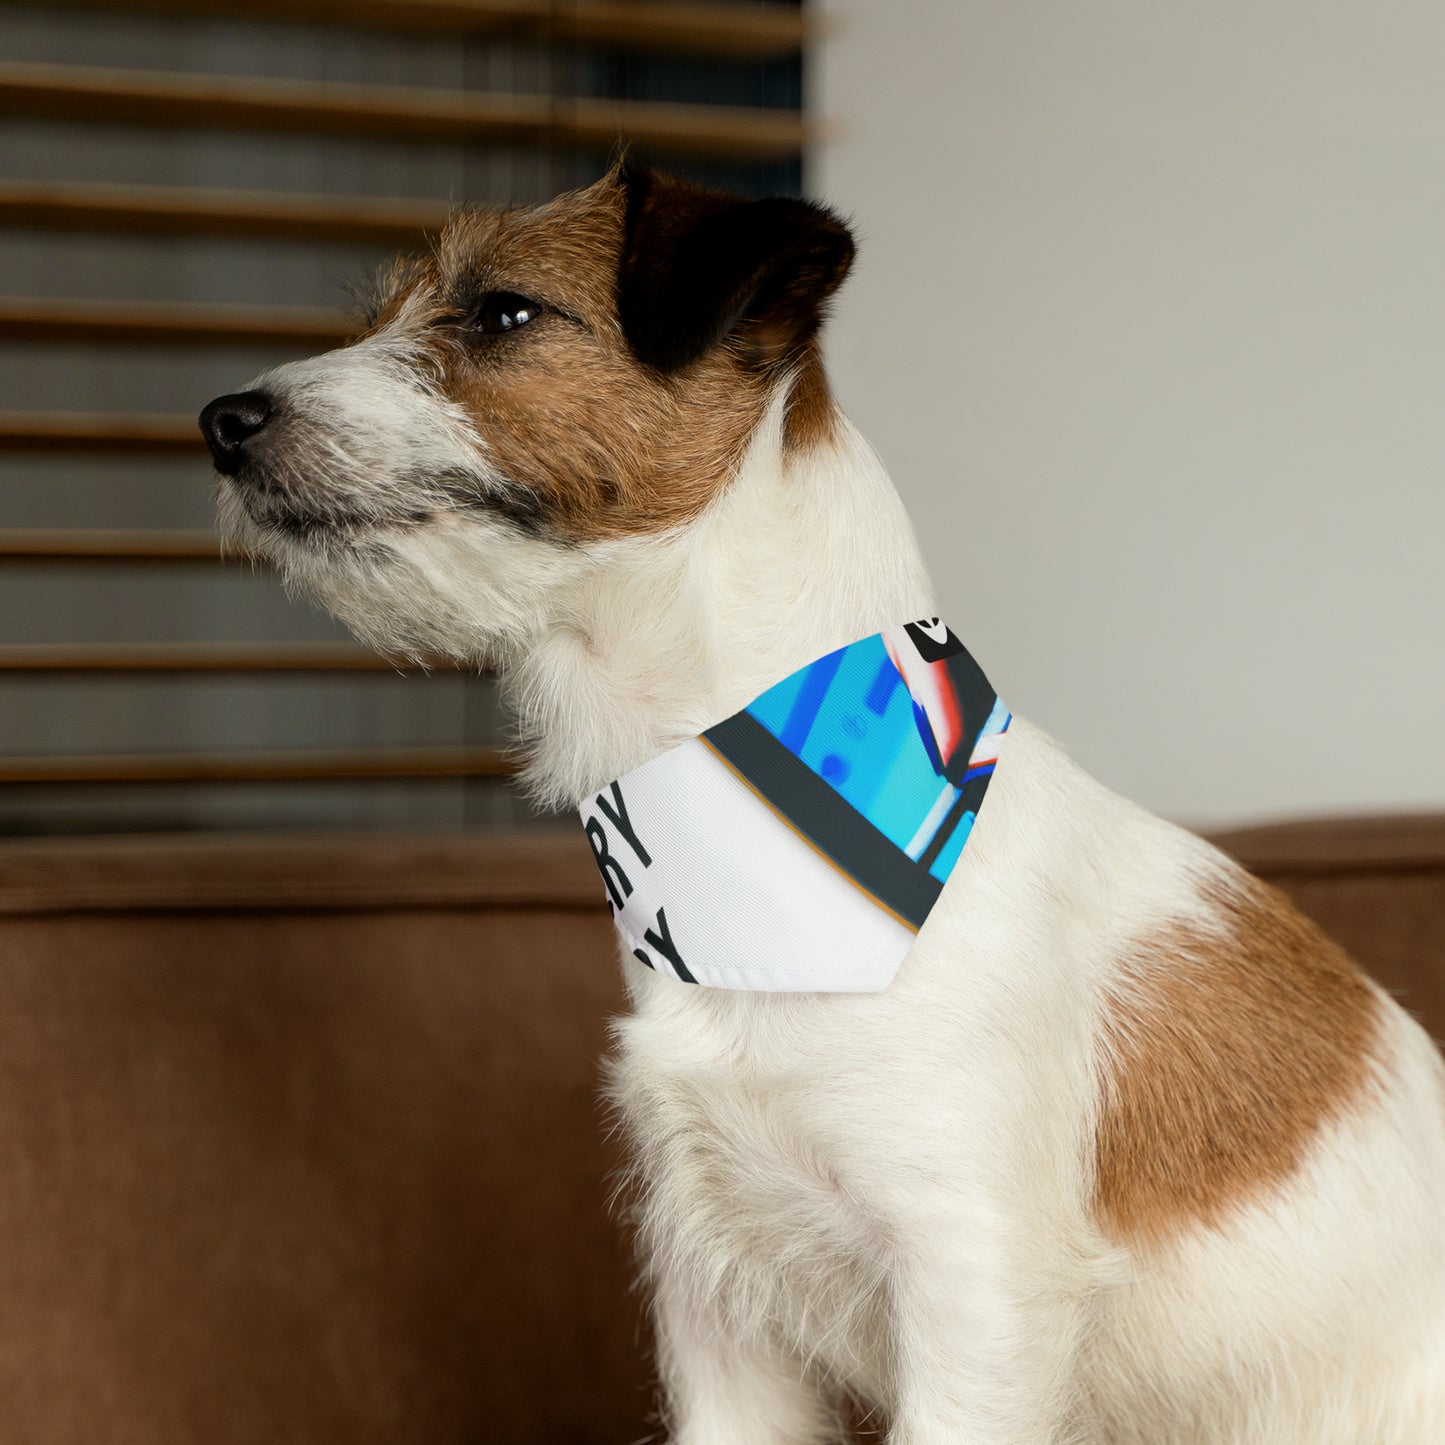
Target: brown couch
[301, 1139]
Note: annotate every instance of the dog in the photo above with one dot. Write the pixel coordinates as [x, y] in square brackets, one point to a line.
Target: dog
[1127, 1152]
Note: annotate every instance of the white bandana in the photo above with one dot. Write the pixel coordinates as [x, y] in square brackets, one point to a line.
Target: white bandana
[800, 844]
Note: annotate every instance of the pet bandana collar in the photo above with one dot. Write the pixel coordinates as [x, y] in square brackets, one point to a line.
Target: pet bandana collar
[800, 844]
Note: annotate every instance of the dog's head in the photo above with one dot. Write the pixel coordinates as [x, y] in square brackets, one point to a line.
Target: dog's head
[545, 383]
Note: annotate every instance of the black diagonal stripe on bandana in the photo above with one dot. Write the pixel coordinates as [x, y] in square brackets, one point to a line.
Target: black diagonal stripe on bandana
[877, 865]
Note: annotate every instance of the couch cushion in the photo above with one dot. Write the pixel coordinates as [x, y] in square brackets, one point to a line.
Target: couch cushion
[303, 1141]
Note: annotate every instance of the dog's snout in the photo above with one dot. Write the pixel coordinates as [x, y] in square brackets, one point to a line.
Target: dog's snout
[229, 422]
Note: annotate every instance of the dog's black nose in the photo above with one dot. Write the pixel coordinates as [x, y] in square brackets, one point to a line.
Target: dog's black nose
[229, 422]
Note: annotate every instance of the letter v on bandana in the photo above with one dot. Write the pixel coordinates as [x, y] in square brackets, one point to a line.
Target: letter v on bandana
[799, 845]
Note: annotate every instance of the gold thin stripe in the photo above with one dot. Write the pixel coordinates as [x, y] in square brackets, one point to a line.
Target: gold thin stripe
[793, 828]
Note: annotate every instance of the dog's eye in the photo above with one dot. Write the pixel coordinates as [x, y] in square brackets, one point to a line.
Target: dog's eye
[504, 311]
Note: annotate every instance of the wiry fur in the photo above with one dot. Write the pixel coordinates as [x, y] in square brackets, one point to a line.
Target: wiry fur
[896, 1196]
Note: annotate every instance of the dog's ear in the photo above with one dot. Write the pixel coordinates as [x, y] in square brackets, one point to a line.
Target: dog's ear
[700, 266]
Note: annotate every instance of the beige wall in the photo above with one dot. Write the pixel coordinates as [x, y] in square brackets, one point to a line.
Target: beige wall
[1149, 324]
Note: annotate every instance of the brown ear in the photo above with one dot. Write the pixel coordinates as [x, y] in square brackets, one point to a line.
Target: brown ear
[699, 266]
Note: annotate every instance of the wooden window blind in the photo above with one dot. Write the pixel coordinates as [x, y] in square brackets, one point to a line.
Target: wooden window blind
[185, 188]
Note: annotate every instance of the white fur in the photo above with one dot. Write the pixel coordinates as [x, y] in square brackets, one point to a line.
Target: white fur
[890, 1194]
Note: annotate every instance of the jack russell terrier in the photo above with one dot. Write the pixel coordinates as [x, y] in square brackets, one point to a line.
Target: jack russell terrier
[1101, 1141]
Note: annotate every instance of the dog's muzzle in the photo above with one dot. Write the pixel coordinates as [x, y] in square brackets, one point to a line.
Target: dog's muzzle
[230, 422]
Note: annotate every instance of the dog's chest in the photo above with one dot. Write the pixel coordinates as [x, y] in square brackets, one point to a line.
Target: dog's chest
[746, 1183]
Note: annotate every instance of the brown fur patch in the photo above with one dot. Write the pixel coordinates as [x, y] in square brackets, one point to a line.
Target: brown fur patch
[608, 447]
[605, 445]
[812, 413]
[1226, 1053]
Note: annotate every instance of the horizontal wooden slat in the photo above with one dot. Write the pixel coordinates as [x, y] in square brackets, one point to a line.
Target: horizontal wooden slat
[548, 868]
[755, 31]
[131, 657]
[175, 210]
[259, 767]
[84, 431]
[171, 323]
[219, 102]
[75, 544]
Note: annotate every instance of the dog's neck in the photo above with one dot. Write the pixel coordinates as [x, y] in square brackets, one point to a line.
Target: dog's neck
[804, 553]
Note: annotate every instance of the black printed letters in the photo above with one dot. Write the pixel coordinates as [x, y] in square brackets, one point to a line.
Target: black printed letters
[617, 812]
[658, 935]
[619, 886]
